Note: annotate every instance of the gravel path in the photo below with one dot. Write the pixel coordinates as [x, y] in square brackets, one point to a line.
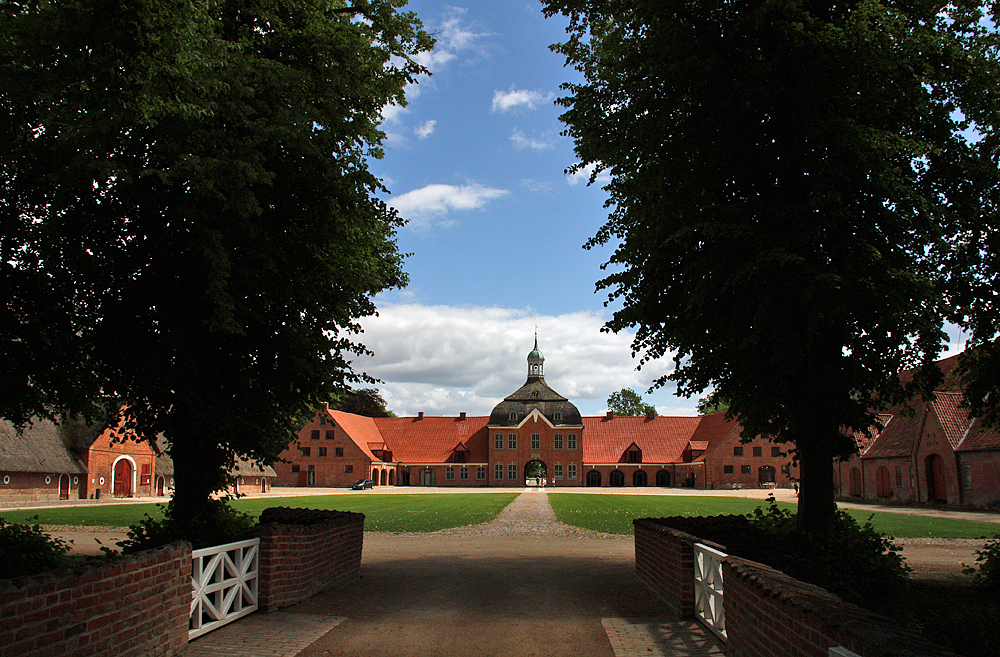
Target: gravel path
[530, 514]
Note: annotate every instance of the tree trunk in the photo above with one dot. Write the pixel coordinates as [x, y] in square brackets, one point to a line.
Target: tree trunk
[815, 444]
[198, 472]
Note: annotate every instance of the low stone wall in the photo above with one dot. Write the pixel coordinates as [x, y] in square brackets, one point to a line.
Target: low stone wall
[137, 605]
[306, 551]
[771, 614]
[768, 613]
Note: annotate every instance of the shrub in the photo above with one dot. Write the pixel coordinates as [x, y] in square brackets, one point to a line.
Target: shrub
[988, 559]
[27, 550]
[852, 561]
[222, 524]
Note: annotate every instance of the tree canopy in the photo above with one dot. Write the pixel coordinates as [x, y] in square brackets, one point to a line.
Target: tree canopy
[189, 226]
[789, 180]
[364, 401]
[627, 402]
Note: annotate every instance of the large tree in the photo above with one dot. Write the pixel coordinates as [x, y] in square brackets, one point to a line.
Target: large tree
[627, 402]
[189, 226]
[786, 176]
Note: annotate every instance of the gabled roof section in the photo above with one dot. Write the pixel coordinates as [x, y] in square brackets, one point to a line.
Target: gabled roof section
[661, 439]
[953, 418]
[865, 440]
[360, 429]
[39, 448]
[433, 439]
[714, 429]
[535, 394]
[698, 445]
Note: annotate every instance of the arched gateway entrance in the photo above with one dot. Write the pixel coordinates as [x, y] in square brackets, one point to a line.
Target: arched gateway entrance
[534, 472]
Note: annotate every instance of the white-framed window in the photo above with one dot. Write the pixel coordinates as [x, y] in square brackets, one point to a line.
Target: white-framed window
[463, 472]
[498, 471]
[571, 441]
[557, 441]
[571, 471]
[449, 472]
[498, 441]
[512, 441]
[512, 472]
[536, 441]
[557, 417]
[559, 472]
[480, 472]
[512, 416]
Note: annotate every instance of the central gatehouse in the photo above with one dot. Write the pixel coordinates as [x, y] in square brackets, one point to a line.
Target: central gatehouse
[535, 436]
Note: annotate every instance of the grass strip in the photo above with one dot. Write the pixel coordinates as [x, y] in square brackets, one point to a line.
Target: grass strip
[613, 514]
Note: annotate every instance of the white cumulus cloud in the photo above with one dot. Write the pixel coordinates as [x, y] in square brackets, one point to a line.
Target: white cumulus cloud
[521, 141]
[425, 129]
[421, 206]
[583, 176]
[504, 101]
[444, 360]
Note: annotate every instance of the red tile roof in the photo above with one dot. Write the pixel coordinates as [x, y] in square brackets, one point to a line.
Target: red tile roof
[433, 439]
[976, 438]
[953, 418]
[899, 435]
[661, 439]
[360, 429]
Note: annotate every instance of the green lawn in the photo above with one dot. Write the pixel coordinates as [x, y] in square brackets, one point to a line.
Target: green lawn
[613, 514]
[383, 513]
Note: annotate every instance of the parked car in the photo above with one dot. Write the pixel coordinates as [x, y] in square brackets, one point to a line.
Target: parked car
[362, 484]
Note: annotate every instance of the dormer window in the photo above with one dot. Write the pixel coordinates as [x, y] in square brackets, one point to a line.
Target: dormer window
[634, 456]
[558, 417]
[459, 457]
[512, 417]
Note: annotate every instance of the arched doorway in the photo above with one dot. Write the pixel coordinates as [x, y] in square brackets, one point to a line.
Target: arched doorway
[161, 486]
[263, 484]
[392, 478]
[534, 472]
[639, 478]
[384, 475]
[64, 487]
[882, 488]
[855, 482]
[374, 477]
[663, 478]
[765, 474]
[427, 477]
[936, 489]
[616, 478]
[593, 478]
[121, 485]
[405, 478]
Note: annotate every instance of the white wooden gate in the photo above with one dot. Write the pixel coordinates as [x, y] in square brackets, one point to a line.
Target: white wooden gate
[708, 591]
[224, 585]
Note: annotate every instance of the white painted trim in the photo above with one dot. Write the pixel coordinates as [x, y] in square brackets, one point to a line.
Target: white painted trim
[134, 471]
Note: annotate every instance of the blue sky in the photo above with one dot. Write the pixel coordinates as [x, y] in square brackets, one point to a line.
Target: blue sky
[496, 228]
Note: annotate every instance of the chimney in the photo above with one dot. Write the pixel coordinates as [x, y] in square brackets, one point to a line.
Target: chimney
[461, 416]
[611, 414]
[420, 415]
[326, 406]
[650, 415]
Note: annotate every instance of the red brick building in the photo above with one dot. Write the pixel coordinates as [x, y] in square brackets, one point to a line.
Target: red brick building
[931, 451]
[532, 429]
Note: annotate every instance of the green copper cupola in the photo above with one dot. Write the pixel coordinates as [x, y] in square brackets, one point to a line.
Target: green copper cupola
[536, 362]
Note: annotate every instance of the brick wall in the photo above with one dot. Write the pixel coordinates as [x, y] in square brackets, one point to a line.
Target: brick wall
[769, 614]
[136, 605]
[664, 554]
[306, 551]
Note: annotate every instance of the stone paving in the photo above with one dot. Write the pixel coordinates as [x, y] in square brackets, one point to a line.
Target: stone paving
[279, 634]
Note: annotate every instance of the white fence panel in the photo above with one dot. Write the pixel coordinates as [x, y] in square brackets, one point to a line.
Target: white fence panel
[708, 589]
[224, 582]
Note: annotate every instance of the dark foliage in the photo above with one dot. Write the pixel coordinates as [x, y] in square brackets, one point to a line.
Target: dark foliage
[987, 572]
[27, 550]
[221, 524]
[855, 562]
